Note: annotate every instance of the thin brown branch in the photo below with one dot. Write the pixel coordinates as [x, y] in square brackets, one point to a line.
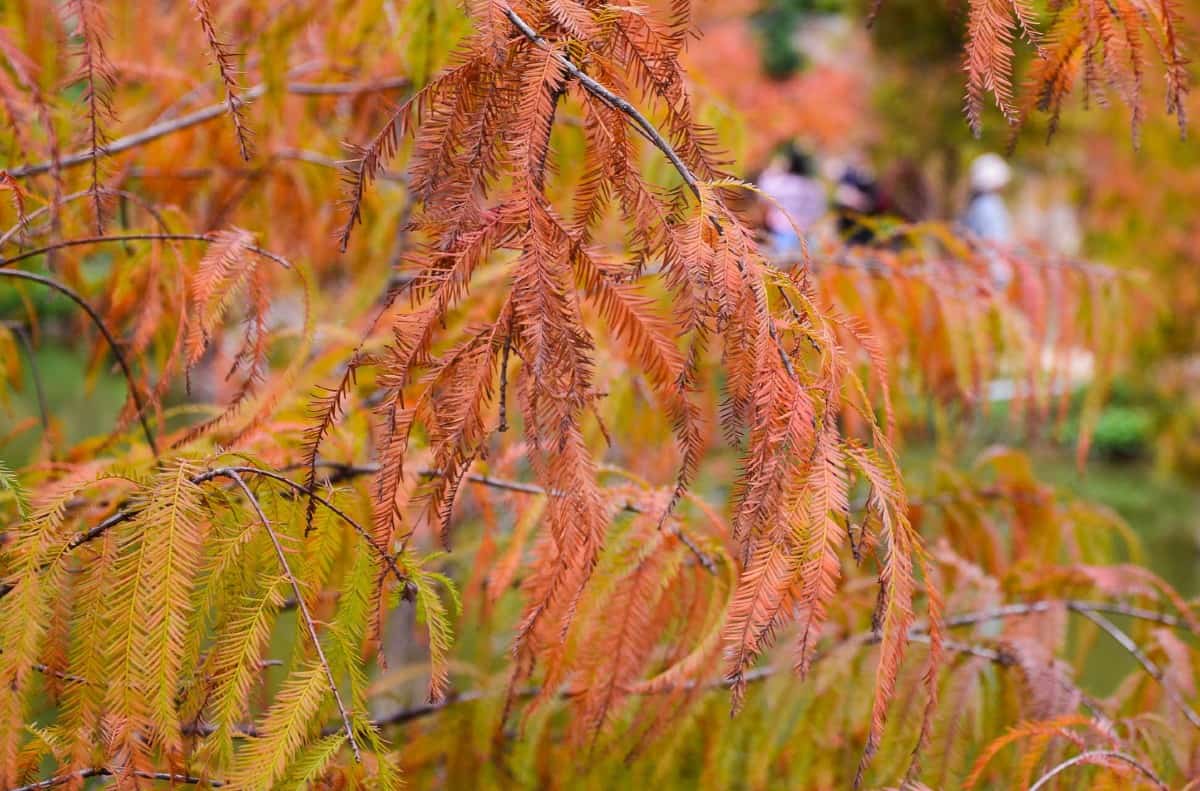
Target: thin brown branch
[756, 675]
[205, 114]
[1075, 605]
[504, 379]
[348, 88]
[169, 777]
[384, 555]
[49, 671]
[135, 237]
[64, 200]
[35, 374]
[1125, 641]
[608, 97]
[315, 158]
[917, 635]
[304, 613]
[124, 515]
[343, 471]
[1093, 756]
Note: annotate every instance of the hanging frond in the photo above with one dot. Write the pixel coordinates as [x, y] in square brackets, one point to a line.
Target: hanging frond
[98, 78]
[223, 58]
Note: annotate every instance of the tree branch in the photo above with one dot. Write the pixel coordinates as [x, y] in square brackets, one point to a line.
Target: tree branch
[124, 515]
[608, 97]
[649, 131]
[108, 337]
[344, 471]
[205, 114]
[34, 374]
[1092, 756]
[1075, 605]
[759, 674]
[169, 777]
[384, 555]
[142, 203]
[1155, 672]
[304, 614]
[917, 634]
[135, 237]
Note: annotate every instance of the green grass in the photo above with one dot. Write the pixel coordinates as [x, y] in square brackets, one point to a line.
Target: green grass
[1163, 511]
[78, 410]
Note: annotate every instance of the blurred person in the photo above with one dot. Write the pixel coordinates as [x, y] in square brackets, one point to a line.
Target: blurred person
[789, 180]
[857, 200]
[986, 215]
[907, 191]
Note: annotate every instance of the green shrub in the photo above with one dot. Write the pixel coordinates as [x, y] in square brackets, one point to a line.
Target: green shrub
[1123, 433]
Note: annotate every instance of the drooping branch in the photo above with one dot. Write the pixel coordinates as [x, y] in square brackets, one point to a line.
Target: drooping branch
[96, 72]
[611, 99]
[1125, 641]
[109, 338]
[382, 552]
[304, 613]
[223, 58]
[126, 514]
[135, 237]
[651, 133]
[1100, 757]
[34, 373]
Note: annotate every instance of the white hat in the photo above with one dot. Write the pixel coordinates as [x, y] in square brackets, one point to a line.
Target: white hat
[989, 172]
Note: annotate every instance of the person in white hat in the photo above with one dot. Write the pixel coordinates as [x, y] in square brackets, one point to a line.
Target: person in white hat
[987, 215]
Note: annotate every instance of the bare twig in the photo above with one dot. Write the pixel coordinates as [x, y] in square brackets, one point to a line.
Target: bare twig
[343, 471]
[1155, 672]
[705, 560]
[135, 237]
[169, 777]
[348, 88]
[504, 379]
[35, 374]
[384, 555]
[108, 337]
[315, 158]
[1093, 756]
[141, 202]
[205, 114]
[756, 675]
[304, 614]
[49, 671]
[1075, 605]
[608, 97]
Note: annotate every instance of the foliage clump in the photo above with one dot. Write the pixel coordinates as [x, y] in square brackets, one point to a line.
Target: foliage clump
[487, 412]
